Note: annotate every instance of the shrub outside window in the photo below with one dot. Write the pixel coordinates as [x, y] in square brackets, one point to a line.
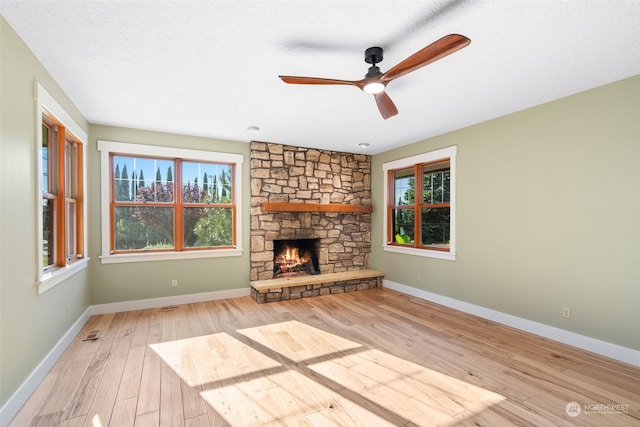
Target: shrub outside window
[421, 223]
[181, 204]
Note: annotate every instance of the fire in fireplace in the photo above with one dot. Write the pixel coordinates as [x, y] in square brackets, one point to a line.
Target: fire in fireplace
[297, 257]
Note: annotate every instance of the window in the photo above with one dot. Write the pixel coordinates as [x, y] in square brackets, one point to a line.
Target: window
[421, 223]
[166, 203]
[61, 224]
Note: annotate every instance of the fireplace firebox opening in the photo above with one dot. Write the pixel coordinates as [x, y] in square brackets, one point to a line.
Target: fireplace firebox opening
[295, 257]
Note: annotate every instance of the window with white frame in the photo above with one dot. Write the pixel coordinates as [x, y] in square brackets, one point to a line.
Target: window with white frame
[61, 191]
[419, 214]
[163, 203]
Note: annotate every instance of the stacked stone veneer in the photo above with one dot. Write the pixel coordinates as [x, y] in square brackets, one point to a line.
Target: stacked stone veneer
[283, 173]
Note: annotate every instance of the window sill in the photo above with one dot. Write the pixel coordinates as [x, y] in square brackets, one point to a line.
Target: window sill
[53, 278]
[168, 256]
[451, 256]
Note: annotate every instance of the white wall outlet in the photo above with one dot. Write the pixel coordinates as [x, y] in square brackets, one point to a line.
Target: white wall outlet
[566, 312]
[174, 283]
[68, 311]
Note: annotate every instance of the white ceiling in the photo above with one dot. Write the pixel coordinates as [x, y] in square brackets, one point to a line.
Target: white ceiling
[210, 68]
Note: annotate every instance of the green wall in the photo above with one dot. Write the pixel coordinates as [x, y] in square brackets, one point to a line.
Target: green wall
[141, 280]
[30, 324]
[548, 215]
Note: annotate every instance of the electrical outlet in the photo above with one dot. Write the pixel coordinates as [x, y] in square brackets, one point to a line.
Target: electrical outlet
[174, 283]
[566, 312]
[68, 311]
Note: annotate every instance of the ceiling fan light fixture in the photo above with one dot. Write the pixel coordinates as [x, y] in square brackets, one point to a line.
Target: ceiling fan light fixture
[373, 87]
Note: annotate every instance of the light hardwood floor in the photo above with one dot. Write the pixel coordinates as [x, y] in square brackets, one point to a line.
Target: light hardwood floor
[368, 358]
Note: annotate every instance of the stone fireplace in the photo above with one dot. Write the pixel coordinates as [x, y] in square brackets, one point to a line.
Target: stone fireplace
[283, 174]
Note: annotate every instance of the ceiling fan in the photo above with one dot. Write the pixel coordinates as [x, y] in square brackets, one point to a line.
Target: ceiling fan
[374, 82]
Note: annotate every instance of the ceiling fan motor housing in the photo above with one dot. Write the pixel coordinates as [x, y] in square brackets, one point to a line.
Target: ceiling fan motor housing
[373, 71]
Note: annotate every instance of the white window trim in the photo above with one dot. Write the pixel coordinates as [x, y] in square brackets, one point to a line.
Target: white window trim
[108, 147]
[441, 154]
[45, 103]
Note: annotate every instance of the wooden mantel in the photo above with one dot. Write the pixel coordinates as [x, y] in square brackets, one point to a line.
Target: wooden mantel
[315, 207]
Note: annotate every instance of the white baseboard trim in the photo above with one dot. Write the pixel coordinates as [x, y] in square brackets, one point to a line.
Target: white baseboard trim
[118, 307]
[593, 345]
[20, 397]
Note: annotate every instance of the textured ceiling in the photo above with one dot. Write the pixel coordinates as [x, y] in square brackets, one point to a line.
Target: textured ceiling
[210, 68]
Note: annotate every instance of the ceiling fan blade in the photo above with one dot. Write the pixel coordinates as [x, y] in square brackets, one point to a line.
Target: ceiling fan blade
[436, 50]
[385, 105]
[316, 81]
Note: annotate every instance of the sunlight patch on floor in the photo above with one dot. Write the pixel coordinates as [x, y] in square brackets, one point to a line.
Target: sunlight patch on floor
[292, 373]
[297, 341]
[421, 395]
[197, 360]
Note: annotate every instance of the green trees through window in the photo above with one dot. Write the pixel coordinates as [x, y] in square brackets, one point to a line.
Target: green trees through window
[185, 205]
[424, 222]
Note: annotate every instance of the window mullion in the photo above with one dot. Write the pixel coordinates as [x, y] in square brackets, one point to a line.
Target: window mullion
[178, 221]
[61, 205]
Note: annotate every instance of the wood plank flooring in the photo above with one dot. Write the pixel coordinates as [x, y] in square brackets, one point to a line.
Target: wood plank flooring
[368, 358]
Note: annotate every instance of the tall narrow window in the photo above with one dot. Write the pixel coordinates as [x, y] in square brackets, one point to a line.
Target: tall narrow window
[420, 204]
[61, 182]
[62, 210]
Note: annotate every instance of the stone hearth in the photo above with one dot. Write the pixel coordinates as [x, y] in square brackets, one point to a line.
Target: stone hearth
[288, 288]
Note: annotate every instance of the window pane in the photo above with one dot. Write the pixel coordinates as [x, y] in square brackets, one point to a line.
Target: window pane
[436, 183]
[142, 179]
[206, 182]
[48, 158]
[44, 153]
[71, 169]
[48, 240]
[143, 227]
[403, 225]
[208, 227]
[404, 187]
[67, 169]
[70, 219]
[435, 227]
